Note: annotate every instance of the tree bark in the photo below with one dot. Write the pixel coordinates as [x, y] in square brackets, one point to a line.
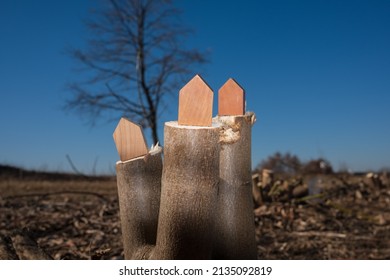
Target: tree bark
[189, 192]
[235, 226]
[139, 188]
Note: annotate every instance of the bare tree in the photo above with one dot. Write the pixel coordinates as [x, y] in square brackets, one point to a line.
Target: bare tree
[135, 57]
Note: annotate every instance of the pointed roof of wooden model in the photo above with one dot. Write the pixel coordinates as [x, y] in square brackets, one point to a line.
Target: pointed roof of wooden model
[129, 140]
[195, 103]
[231, 99]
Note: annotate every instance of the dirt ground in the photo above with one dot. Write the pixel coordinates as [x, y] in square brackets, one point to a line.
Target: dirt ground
[74, 217]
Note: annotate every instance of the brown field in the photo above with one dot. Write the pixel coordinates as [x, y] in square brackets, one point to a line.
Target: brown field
[60, 216]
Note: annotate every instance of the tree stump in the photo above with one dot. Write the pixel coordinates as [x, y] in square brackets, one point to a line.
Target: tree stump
[206, 209]
[235, 230]
[189, 192]
[139, 187]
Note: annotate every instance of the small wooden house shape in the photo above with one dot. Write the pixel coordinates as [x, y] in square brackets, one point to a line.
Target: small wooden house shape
[129, 140]
[195, 103]
[231, 99]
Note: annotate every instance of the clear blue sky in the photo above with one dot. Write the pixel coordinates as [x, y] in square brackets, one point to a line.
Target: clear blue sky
[316, 73]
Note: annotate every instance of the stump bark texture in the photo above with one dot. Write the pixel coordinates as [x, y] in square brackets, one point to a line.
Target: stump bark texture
[235, 238]
[139, 188]
[189, 192]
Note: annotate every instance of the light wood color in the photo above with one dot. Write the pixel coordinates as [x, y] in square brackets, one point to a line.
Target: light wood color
[129, 140]
[195, 103]
[231, 99]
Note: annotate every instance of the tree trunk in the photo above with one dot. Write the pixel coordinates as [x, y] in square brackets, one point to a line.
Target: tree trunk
[235, 237]
[189, 192]
[139, 190]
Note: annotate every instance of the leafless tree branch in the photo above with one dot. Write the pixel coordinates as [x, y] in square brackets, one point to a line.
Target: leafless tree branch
[134, 58]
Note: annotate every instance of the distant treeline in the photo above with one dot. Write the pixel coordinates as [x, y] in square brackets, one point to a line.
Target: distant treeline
[12, 172]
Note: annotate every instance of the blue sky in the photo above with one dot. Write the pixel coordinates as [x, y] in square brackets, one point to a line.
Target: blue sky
[316, 73]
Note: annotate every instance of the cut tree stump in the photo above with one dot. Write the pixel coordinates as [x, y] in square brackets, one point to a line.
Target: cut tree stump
[235, 227]
[231, 99]
[188, 193]
[195, 103]
[139, 188]
[129, 140]
[205, 210]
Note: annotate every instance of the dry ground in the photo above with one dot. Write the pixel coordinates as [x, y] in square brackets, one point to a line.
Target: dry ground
[73, 217]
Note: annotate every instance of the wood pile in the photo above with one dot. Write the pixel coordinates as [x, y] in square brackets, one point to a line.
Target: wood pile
[344, 217]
